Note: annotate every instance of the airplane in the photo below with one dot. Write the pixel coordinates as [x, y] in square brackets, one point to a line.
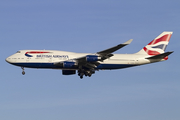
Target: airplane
[85, 64]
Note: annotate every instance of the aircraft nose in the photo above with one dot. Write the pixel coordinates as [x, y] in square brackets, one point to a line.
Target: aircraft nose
[7, 60]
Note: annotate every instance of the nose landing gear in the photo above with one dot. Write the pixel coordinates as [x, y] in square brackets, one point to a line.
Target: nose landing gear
[23, 72]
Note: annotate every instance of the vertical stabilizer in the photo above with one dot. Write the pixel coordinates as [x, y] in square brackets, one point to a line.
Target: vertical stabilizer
[157, 46]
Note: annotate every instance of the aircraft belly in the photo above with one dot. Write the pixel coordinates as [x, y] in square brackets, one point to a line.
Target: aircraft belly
[115, 63]
[114, 66]
[37, 65]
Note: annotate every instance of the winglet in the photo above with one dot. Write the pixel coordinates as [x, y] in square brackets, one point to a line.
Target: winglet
[128, 42]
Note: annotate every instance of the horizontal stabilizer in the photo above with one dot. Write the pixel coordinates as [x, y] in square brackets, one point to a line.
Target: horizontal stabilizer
[160, 56]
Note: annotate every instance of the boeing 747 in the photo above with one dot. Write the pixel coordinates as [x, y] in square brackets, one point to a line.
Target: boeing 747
[85, 64]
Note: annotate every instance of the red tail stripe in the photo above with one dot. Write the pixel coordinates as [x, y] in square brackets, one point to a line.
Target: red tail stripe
[163, 38]
[150, 52]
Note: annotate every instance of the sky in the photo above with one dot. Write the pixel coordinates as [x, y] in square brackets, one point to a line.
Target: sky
[140, 93]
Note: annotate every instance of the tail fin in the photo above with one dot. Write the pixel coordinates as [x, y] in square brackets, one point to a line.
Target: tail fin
[157, 46]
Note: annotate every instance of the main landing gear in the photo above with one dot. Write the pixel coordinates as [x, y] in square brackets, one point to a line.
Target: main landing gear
[82, 72]
[23, 71]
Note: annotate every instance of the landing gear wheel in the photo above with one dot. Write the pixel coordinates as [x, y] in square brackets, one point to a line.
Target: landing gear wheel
[81, 75]
[23, 72]
[89, 75]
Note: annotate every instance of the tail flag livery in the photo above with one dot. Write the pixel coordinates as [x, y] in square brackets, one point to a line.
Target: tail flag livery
[157, 46]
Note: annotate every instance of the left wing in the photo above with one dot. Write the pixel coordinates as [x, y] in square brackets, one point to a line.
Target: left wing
[102, 55]
[115, 48]
[92, 61]
[107, 53]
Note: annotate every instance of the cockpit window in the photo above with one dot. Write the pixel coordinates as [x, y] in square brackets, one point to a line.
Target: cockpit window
[18, 52]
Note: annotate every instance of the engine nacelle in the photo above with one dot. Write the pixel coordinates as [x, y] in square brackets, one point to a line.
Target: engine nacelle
[68, 64]
[92, 58]
[68, 72]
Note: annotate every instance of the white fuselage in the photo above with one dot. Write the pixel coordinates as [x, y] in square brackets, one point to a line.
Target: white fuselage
[47, 58]
[87, 63]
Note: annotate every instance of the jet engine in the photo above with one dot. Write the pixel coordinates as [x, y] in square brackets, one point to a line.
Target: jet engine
[92, 58]
[68, 64]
